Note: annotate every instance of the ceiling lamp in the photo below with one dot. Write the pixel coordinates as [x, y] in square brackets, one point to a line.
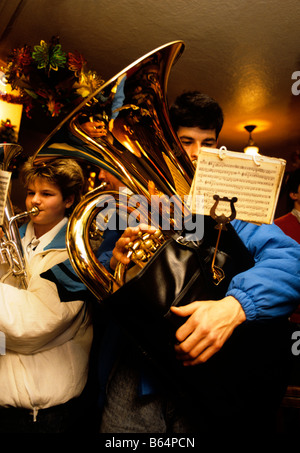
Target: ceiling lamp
[251, 147]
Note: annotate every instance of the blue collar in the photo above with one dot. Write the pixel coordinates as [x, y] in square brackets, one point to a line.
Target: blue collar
[58, 242]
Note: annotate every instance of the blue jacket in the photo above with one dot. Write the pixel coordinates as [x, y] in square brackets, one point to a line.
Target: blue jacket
[272, 287]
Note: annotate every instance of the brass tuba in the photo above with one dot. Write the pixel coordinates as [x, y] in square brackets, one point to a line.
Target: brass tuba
[140, 146]
[12, 263]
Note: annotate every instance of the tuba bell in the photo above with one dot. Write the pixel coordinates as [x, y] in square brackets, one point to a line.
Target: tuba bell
[12, 263]
[140, 146]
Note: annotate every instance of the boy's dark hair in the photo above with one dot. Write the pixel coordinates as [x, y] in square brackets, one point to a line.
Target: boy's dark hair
[195, 109]
[65, 173]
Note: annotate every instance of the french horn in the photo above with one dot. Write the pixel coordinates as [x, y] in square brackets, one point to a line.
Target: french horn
[140, 146]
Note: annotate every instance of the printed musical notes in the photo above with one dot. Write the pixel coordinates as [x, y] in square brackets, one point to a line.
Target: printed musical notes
[255, 182]
[4, 186]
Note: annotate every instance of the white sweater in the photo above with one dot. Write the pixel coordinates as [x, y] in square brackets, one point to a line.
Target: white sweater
[47, 340]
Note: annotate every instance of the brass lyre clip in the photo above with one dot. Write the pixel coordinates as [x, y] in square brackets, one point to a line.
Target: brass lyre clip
[218, 273]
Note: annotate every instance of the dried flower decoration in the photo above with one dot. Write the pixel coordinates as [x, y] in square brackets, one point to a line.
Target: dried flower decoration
[50, 77]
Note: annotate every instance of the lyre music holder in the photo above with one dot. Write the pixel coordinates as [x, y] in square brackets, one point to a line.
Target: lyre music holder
[222, 220]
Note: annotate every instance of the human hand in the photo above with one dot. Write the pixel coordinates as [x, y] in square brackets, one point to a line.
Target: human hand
[209, 324]
[129, 235]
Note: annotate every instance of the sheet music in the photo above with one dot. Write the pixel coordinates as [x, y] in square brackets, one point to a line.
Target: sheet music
[255, 182]
[4, 186]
